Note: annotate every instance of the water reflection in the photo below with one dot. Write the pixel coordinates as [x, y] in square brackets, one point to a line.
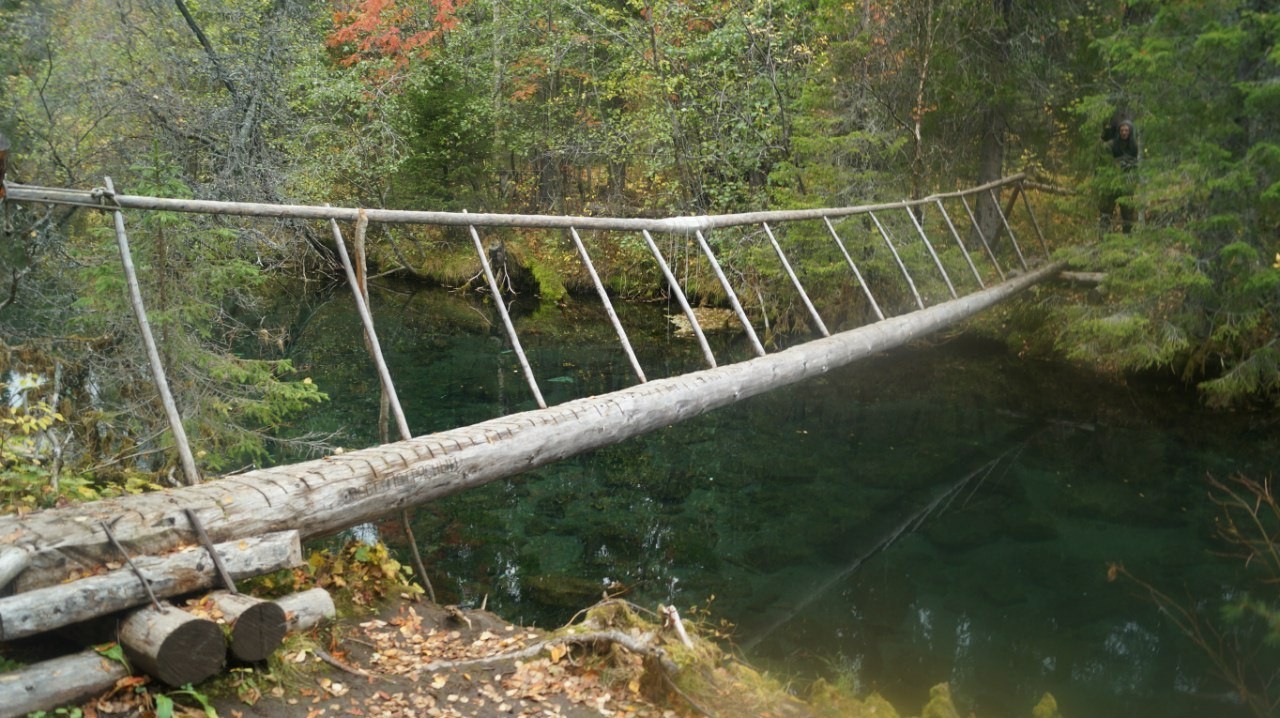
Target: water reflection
[943, 513]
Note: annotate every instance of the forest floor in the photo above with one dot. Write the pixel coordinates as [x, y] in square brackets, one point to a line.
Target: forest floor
[417, 659]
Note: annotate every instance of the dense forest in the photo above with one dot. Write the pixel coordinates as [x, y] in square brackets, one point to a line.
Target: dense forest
[621, 108]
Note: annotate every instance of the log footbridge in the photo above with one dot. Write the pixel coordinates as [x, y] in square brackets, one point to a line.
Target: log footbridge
[44, 551]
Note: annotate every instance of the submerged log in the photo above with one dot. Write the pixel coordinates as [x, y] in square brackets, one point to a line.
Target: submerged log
[185, 571]
[307, 609]
[257, 626]
[325, 496]
[57, 682]
[173, 645]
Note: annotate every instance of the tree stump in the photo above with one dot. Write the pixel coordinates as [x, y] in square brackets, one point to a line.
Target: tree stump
[173, 645]
[307, 609]
[257, 626]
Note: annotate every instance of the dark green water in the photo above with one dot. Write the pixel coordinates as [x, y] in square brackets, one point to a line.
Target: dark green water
[853, 526]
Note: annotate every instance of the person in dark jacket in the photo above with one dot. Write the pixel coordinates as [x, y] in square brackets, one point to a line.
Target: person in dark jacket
[1122, 141]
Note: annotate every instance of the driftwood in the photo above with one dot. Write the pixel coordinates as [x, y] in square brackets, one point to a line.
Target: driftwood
[324, 496]
[257, 626]
[173, 645]
[189, 570]
[57, 682]
[307, 609]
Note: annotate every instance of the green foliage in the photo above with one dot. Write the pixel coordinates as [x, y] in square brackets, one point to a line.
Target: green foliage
[1195, 291]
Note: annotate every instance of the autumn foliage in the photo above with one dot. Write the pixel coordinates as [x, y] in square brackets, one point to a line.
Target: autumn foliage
[393, 30]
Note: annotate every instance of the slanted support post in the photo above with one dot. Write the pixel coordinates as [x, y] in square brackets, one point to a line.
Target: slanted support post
[608, 305]
[1026, 202]
[963, 250]
[1005, 221]
[679, 295]
[884, 233]
[857, 274]
[813, 312]
[506, 318]
[929, 245]
[733, 297]
[148, 341]
[985, 244]
[375, 349]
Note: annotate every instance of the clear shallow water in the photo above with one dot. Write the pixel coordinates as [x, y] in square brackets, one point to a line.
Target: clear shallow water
[942, 513]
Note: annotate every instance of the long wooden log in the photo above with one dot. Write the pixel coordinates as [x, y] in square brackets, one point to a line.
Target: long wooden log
[324, 496]
[257, 626]
[57, 682]
[305, 610]
[185, 571]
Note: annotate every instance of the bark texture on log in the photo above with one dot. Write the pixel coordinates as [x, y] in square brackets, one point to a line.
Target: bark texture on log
[173, 645]
[51, 607]
[257, 626]
[324, 496]
[307, 609]
[57, 682]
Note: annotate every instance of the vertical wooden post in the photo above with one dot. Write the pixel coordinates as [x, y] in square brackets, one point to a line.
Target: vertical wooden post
[153, 355]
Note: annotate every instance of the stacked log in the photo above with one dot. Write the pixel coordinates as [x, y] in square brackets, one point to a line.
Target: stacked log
[307, 609]
[257, 626]
[173, 645]
[57, 682]
[45, 609]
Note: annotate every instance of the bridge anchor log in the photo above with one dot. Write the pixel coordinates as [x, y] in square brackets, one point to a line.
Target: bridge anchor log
[257, 626]
[57, 682]
[307, 609]
[52, 607]
[172, 645]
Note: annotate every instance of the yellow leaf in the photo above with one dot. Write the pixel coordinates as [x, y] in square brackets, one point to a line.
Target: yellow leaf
[557, 652]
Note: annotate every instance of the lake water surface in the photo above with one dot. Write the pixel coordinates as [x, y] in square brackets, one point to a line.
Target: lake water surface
[945, 512]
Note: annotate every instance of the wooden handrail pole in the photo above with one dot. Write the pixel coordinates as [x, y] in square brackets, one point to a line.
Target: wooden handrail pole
[153, 354]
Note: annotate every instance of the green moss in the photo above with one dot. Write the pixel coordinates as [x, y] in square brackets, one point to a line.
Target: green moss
[940, 705]
[550, 285]
[1046, 708]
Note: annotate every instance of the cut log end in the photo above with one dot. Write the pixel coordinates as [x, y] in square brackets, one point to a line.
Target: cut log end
[258, 632]
[174, 646]
[192, 653]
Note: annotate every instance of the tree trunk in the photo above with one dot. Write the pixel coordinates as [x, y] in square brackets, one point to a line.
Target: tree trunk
[173, 645]
[257, 626]
[63, 604]
[57, 682]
